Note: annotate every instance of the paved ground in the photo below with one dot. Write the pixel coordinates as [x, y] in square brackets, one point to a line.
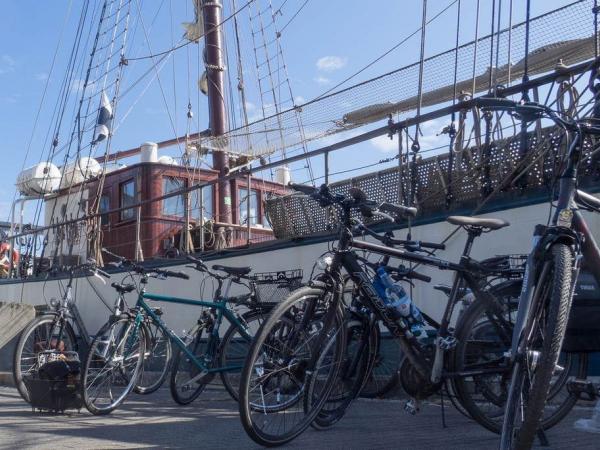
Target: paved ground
[212, 422]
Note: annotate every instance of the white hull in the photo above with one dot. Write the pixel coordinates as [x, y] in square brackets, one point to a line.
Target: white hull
[513, 239]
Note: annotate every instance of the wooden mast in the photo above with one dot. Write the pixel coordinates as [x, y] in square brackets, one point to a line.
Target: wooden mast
[212, 10]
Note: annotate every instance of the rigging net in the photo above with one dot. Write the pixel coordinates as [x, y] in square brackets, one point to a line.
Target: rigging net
[393, 93]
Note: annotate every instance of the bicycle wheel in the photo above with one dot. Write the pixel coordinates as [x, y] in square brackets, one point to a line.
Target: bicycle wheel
[113, 365]
[385, 373]
[157, 359]
[235, 348]
[543, 336]
[291, 350]
[188, 380]
[359, 355]
[47, 332]
[482, 346]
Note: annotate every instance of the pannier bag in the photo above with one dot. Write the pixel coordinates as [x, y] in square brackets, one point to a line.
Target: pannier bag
[56, 386]
[583, 330]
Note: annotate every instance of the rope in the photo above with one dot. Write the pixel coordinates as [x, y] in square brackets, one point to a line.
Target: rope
[177, 47]
[493, 20]
[476, 45]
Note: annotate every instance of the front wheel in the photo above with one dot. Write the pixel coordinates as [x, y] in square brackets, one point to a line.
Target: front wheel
[47, 332]
[113, 365]
[543, 336]
[299, 346]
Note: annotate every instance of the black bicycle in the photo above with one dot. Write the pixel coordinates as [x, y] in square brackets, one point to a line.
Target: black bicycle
[552, 269]
[314, 313]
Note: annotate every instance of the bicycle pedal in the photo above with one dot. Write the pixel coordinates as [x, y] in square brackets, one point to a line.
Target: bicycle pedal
[447, 343]
[412, 407]
[585, 390]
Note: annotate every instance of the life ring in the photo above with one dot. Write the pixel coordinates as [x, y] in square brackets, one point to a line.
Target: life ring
[5, 258]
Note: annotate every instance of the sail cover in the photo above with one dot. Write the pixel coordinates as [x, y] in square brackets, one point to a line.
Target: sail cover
[336, 115]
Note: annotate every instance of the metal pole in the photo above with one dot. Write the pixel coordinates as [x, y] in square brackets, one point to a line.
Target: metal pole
[201, 205]
[326, 156]
[249, 228]
[139, 255]
[212, 10]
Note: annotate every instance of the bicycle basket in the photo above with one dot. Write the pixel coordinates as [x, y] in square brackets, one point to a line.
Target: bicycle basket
[53, 355]
[274, 287]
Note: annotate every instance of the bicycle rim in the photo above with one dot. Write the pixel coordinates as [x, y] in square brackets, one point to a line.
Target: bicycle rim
[157, 360]
[113, 365]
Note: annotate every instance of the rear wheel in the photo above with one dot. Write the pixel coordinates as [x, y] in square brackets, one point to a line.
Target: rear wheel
[543, 335]
[187, 379]
[299, 346]
[47, 332]
[234, 349]
[482, 346]
[113, 365]
[157, 359]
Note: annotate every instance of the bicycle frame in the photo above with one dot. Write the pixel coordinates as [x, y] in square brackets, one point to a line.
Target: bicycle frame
[222, 311]
[464, 273]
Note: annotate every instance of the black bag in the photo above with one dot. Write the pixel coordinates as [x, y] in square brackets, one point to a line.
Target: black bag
[56, 386]
[583, 329]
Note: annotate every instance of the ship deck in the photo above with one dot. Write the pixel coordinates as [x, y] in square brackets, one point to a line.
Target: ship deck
[212, 422]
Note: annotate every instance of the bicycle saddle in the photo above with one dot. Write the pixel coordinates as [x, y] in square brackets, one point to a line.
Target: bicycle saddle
[123, 288]
[235, 271]
[490, 224]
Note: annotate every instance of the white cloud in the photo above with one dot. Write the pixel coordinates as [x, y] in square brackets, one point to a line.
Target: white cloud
[250, 106]
[322, 80]
[7, 64]
[331, 63]
[41, 76]
[78, 84]
[299, 100]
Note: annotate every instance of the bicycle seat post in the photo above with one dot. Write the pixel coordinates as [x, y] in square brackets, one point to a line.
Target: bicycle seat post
[472, 234]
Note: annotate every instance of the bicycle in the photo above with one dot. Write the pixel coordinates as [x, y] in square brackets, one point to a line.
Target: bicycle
[118, 351]
[549, 280]
[53, 330]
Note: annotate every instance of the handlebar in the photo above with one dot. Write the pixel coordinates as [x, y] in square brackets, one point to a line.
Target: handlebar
[355, 200]
[408, 273]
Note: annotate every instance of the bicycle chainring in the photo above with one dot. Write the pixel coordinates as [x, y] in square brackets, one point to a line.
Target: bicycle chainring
[414, 384]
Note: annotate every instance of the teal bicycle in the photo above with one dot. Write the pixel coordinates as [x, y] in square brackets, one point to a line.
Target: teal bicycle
[117, 353]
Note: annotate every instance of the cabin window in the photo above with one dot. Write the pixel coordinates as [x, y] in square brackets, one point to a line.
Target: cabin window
[207, 203]
[127, 198]
[103, 208]
[173, 206]
[243, 207]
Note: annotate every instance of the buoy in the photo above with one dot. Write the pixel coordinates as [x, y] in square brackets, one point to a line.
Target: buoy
[5, 259]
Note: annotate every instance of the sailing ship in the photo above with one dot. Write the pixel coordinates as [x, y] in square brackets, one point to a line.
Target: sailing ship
[157, 209]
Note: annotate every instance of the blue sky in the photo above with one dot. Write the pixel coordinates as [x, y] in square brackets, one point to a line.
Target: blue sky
[325, 43]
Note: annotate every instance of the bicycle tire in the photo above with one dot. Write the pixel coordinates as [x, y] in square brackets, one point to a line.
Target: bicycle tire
[183, 365]
[384, 375]
[350, 379]
[556, 275]
[297, 374]
[158, 355]
[229, 356]
[465, 401]
[30, 329]
[130, 339]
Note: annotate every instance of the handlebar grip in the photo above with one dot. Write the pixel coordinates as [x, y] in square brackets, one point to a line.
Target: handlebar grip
[308, 190]
[433, 245]
[398, 209]
[170, 273]
[419, 276]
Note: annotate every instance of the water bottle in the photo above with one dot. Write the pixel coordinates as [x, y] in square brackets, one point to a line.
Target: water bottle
[401, 304]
